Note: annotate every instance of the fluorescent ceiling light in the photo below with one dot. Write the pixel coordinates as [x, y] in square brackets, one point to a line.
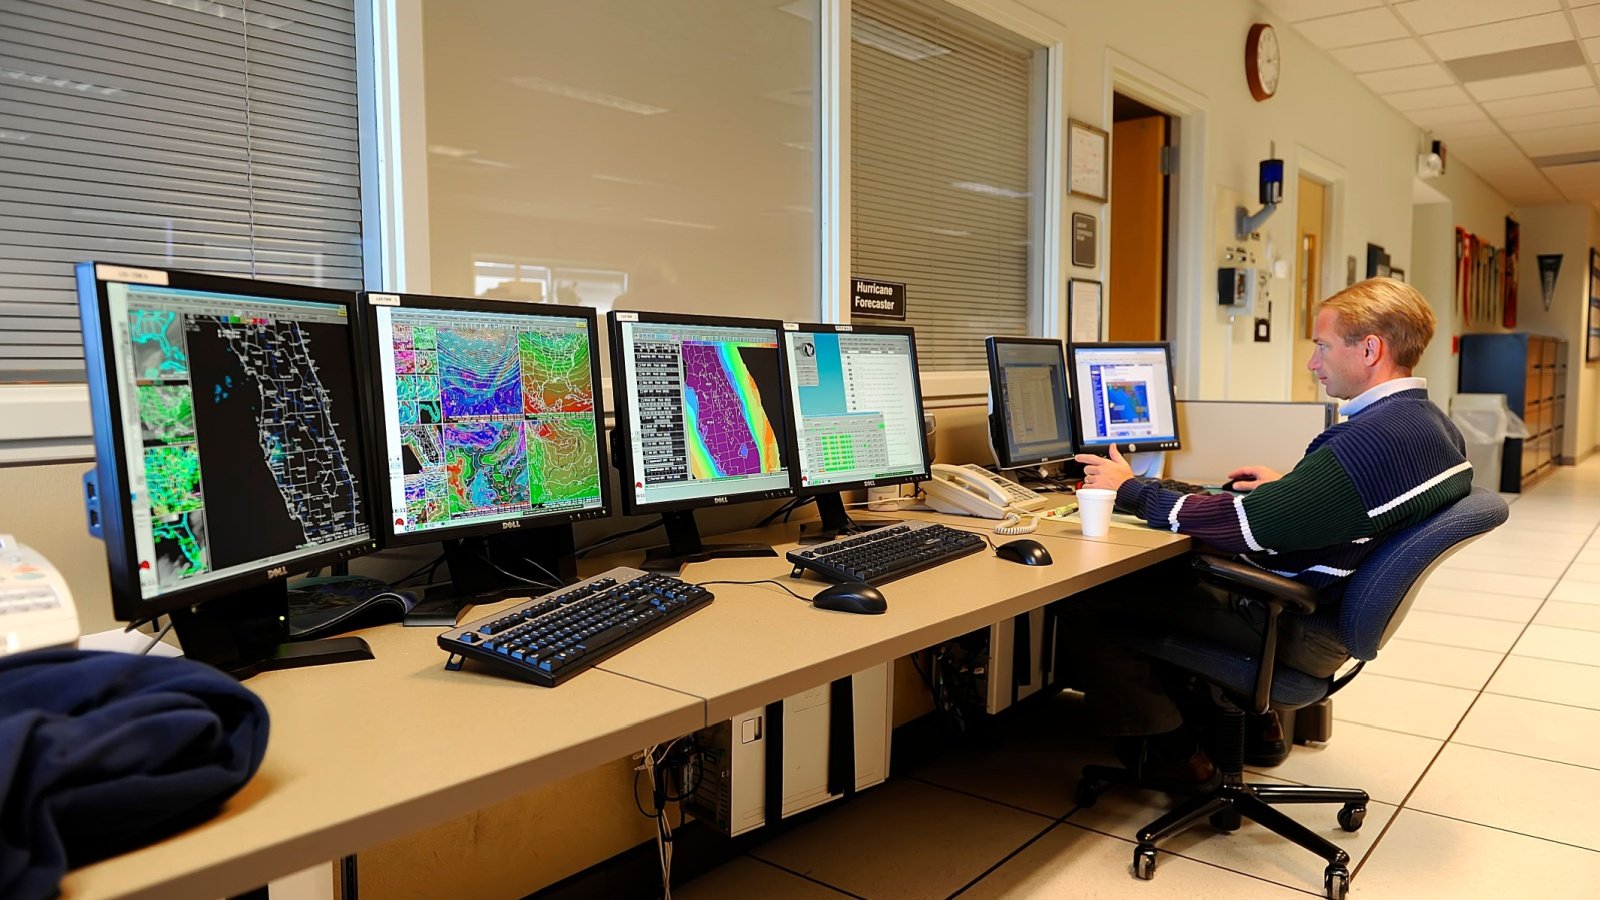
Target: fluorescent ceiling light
[951, 232]
[879, 35]
[802, 146]
[491, 163]
[534, 83]
[68, 84]
[978, 187]
[800, 97]
[623, 179]
[14, 136]
[678, 223]
[1567, 159]
[451, 152]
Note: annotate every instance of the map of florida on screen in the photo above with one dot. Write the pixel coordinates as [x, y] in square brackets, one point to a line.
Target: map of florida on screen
[729, 430]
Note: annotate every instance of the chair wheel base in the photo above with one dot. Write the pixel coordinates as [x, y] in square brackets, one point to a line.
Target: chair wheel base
[1226, 821]
[1351, 817]
[1336, 883]
[1144, 862]
[1089, 791]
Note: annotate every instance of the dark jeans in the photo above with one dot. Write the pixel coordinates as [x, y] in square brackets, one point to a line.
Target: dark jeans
[1124, 688]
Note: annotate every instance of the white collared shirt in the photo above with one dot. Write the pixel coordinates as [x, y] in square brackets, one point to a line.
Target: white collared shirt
[1379, 391]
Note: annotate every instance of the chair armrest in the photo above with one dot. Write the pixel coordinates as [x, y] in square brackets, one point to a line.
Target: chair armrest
[1257, 583]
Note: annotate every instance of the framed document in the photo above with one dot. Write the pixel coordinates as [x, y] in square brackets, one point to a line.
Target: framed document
[1086, 160]
[1083, 311]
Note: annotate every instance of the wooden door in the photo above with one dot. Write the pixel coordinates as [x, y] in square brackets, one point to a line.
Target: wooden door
[1311, 213]
[1134, 308]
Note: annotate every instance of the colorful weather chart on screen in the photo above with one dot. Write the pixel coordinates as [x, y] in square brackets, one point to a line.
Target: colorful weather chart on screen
[490, 416]
[728, 430]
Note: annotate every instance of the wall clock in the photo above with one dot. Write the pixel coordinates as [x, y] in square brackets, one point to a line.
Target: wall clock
[1262, 61]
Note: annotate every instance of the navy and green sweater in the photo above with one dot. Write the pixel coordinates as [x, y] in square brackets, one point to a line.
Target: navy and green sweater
[1389, 466]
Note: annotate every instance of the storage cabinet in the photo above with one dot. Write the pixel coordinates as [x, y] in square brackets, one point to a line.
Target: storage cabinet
[1531, 371]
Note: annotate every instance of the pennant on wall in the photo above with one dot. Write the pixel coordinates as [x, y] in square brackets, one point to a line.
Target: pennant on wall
[1549, 267]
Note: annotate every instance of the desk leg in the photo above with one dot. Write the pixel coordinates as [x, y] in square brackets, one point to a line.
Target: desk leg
[349, 886]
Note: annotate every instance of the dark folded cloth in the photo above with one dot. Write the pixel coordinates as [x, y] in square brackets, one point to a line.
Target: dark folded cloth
[101, 753]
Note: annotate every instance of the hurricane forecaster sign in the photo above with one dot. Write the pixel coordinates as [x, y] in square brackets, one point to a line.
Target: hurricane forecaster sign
[877, 299]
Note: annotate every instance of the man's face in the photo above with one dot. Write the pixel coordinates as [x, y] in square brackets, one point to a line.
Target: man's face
[1341, 368]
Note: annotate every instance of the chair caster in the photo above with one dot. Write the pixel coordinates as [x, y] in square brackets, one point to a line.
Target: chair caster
[1089, 791]
[1336, 883]
[1226, 821]
[1351, 817]
[1144, 862]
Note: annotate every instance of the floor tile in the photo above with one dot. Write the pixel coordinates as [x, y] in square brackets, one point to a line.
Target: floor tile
[1385, 764]
[903, 839]
[1531, 796]
[1252, 850]
[1532, 728]
[1588, 572]
[1433, 663]
[1537, 521]
[744, 877]
[1072, 862]
[1591, 556]
[1459, 631]
[1565, 644]
[1560, 614]
[1493, 582]
[1548, 680]
[1576, 592]
[1538, 545]
[1425, 855]
[1472, 560]
[1476, 603]
[1428, 710]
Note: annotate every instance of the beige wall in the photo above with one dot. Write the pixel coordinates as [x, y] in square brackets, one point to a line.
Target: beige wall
[1563, 229]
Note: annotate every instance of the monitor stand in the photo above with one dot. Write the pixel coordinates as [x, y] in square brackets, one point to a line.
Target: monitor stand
[684, 546]
[834, 521]
[476, 563]
[247, 632]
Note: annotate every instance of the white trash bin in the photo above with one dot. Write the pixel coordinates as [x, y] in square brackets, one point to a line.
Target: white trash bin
[1486, 423]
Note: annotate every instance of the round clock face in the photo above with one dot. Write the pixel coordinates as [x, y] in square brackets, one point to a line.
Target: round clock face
[1262, 61]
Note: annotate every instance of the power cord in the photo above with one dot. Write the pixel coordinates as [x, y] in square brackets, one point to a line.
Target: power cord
[773, 582]
[668, 767]
[611, 539]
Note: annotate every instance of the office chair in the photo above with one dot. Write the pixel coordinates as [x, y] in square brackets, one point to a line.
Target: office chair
[1375, 601]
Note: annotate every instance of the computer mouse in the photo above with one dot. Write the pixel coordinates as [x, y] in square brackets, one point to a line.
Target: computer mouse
[1228, 486]
[851, 597]
[1027, 551]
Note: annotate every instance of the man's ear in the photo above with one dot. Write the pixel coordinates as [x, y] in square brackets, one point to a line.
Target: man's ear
[1373, 350]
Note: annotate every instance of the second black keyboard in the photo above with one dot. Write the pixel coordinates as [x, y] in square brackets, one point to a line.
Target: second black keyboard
[884, 554]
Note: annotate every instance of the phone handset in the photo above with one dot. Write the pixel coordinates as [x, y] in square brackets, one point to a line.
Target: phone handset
[973, 491]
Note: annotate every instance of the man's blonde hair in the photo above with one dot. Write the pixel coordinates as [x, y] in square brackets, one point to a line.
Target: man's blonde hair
[1390, 309]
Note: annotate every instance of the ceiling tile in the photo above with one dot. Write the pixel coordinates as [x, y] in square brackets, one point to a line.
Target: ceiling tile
[1300, 10]
[1446, 115]
[1585, 176]
[1519, 106]
[1587, 20]
[1349, 29]
[1522, 61]
[1409, 78]
[1383, 55]
[1428, 16]
[1567, 139]
[1484, 39]
[1592, 46]
[1428, 98]
[1453, 130]
[1582, 115]
[1535, 83]
[1487, 145]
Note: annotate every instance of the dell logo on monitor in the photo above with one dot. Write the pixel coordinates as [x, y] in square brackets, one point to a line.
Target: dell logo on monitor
[719, 500]
[504, 526]
[868, 483]
[278, 572]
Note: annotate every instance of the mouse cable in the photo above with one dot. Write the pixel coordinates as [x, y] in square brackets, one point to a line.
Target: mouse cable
[770, 581]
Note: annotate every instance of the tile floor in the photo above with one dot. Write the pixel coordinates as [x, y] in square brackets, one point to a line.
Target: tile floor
[1476, 731]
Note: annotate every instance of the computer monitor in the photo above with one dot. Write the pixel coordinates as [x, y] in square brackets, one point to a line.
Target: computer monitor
[1030, 420]
[700, 422]
[486, 431]
[228, 452]
[856, 405]
[1123, 394]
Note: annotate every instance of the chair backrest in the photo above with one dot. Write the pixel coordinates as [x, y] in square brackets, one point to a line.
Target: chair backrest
[1382, 590]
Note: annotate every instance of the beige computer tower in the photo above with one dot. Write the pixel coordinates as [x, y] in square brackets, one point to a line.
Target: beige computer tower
[1004, 662]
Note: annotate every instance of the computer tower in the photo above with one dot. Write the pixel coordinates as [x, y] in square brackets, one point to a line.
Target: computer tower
[817, 739]
[1021, 657]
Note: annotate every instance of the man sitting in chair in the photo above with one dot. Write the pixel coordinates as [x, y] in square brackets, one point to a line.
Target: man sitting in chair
[1395, 462]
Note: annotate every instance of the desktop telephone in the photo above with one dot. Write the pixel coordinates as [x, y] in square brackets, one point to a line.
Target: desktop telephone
[35, 605]
[972, 490]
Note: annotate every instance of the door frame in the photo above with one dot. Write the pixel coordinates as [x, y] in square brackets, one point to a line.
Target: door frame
[1333, 179]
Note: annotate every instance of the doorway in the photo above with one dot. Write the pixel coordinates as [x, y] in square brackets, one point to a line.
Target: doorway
[1137, 307]
[1311, 229]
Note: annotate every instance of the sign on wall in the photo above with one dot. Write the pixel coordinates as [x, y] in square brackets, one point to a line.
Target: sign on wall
[876, 299]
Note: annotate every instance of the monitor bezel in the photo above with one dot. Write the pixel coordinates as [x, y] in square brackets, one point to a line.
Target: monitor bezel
[378, 460]
[997, 437]
[796, 475]
[113, 502]
[621, 390]
[1085, 446]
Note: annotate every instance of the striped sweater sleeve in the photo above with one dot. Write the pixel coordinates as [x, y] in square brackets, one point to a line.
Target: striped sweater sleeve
[1315, 505]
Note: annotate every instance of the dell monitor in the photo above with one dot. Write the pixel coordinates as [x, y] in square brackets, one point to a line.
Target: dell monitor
[228, 453]
[700, 422]
[1123, 395]
[856, 405]
[1030, 420]
[486, 423]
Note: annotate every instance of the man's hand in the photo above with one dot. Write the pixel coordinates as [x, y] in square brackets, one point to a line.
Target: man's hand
[1249, 478]
[1099, 472]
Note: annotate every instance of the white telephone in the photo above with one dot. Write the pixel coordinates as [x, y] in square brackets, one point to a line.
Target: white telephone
[35, 605]
[972, 490]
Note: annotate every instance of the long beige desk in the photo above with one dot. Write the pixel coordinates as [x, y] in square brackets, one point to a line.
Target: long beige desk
[363, 753]
[755, 644]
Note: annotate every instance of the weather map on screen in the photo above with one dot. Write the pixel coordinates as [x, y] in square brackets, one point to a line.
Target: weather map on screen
[488, 415]
[728, 429]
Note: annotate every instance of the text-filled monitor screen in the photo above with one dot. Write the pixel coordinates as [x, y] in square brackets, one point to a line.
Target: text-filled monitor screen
[856, 398]
[1032, 401]
[241, 431]
[1124, 395]
[487, 416]
[705, 410]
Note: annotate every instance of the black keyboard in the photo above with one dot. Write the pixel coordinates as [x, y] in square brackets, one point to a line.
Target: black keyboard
[551, 638]
[884, 554]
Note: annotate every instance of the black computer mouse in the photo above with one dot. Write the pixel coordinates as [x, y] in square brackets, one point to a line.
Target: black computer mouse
[1027, 551]
[1229, 487]
[851, 597]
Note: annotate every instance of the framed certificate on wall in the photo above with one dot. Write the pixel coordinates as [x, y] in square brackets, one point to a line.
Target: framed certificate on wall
[1086, 160]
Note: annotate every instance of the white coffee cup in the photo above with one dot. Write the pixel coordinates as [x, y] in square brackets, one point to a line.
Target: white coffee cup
[1094, 511]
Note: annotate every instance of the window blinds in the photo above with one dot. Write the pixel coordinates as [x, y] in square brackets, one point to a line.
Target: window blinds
[940, 174]
[211, 135]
